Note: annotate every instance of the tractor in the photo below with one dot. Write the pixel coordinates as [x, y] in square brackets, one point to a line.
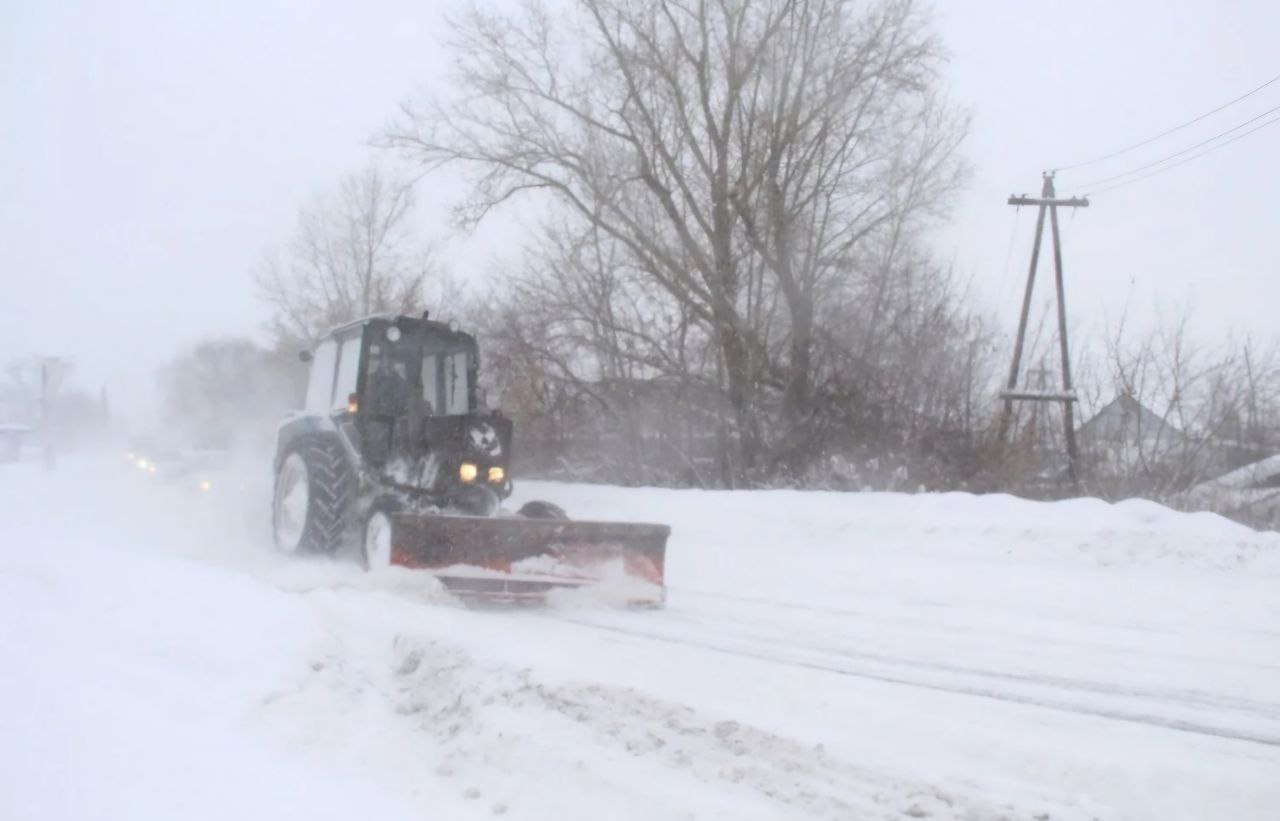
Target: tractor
[395, 456]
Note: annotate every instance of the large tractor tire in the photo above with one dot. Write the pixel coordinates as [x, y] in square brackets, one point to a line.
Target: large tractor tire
[312, 503]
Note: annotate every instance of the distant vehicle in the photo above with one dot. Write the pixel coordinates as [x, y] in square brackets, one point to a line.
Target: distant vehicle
[395, 453]
[198, 468]
[17, 442]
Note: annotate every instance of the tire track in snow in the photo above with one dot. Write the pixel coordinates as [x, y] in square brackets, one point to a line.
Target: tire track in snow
[767, 652]
[1186, 698]
[848, 611]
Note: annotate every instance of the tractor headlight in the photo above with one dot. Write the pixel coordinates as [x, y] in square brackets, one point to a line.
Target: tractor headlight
[467, 472]
[496, 475]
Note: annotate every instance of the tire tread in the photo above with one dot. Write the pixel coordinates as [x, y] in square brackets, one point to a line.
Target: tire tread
[332, 488]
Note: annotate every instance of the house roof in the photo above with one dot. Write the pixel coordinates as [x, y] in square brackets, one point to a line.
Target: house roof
[1126, 405]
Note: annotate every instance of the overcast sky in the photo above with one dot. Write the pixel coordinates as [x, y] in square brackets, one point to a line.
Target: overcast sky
[150, 151]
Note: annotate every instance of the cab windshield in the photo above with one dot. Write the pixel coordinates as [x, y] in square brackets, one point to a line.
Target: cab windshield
[444, 381]
[409, 374]
[388, 383]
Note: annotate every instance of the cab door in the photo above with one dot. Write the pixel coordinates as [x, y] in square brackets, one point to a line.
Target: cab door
[344, 401]
[320, 383]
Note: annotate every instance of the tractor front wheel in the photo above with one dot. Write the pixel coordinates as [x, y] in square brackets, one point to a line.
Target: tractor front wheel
[376, 540]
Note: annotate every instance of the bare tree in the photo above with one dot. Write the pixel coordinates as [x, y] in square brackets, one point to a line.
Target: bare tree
[54, 403]
[846, 145]
[227, 391]
[354, 253]
[578, 334]
[904, 370]
[652, 123]
[1181, 412]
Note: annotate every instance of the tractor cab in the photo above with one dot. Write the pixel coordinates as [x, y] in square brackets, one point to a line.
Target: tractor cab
[402, 393]
[419, 366]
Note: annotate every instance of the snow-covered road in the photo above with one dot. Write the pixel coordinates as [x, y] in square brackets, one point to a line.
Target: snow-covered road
[821, 656]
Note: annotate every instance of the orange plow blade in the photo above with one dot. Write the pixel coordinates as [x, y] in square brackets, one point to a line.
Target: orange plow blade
[525, 560]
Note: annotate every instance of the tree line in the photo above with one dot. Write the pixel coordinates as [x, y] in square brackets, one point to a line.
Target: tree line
[730, 283]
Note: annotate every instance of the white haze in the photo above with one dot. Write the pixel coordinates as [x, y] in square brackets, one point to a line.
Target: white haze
[150, 152]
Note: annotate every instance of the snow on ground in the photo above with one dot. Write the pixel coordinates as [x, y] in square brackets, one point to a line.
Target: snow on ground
[821, 656]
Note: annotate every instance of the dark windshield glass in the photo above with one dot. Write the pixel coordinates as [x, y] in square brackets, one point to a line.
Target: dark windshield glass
[446, 381]
[455, 377]
[388, 384]
[436, 378]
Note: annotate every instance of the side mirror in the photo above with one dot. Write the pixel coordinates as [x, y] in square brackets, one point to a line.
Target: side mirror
[305, 356]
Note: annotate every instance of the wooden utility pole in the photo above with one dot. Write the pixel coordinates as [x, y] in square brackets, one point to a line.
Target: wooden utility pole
[1048, 204]
[52, 369]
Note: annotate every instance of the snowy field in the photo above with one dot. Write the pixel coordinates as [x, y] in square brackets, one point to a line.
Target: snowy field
[869, 656]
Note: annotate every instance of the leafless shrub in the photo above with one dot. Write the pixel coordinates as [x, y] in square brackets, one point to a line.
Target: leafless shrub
[354, 253]
[1183, 412]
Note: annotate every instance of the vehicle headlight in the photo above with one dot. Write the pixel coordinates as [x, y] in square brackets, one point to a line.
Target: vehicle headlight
[467, 472]
[496, 475]
[205, 484]
[143, 464]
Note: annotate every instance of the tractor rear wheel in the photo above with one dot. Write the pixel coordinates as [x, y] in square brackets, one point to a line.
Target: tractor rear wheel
[312, 499]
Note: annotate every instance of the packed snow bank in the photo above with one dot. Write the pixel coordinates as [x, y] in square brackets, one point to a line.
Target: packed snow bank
[822, 656]
[822, 524]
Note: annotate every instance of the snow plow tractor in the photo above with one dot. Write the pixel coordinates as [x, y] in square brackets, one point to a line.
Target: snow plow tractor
[393, 455]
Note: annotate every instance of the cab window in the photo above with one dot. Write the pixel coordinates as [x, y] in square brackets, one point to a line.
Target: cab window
[320, 386]
[430, 385]
[387, 382]
[348, 372]
[455, 383]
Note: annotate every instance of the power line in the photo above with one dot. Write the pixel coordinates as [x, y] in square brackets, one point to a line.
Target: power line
[1177, 154]
[1070, 222]
[1008, 255]
[1166, 133]
[1259, 127]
